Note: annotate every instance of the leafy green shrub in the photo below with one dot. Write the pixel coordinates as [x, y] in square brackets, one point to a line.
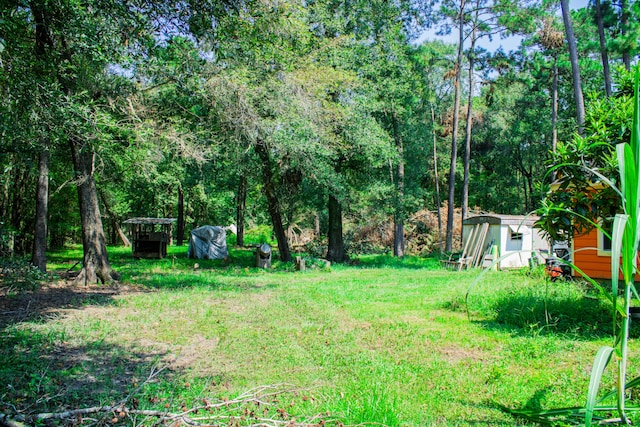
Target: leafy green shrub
[317, 247]
[18, 275]
[259, 234]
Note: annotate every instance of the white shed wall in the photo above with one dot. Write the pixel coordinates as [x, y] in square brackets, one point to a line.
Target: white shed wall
[514, 253]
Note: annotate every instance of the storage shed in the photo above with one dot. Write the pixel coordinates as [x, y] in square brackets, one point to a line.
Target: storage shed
[516, 238]
[150, 236]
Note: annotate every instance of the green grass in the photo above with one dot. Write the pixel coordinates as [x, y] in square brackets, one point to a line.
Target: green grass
[381, 341]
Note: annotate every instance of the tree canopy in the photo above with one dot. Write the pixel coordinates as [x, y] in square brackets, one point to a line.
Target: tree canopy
[326, 116]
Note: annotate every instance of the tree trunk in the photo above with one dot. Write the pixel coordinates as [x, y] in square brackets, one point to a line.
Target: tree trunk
[335, 250]
[435, 174]
[21, 178]
[526, 195]
[603, 50]
[181, 226]
[554, 106]
[272, 202]
[398, 218]
[454, 133]
[39, 256]
[96, 267]
[4, 197]
[624, 25]
[469, 128]
[240, 210]
[530, 204]
[575, 68]
[554, 111]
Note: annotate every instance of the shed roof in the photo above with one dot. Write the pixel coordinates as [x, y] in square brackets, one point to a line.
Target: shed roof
[161, 221]
[527, 220]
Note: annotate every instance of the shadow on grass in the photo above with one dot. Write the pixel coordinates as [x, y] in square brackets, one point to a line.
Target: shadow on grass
[47, 300]
[43, 369]
[244, 258]
[532, 405]
[238, 272]
[584, 317]
[175, 271]
[176, 274]
[41, 372]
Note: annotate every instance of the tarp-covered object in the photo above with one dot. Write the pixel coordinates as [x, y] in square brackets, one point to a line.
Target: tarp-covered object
[208, 242]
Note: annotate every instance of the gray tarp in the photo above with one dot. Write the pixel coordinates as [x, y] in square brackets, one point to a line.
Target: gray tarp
[208, 242]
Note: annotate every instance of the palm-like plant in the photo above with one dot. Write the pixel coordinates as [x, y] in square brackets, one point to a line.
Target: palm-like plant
[624, 254]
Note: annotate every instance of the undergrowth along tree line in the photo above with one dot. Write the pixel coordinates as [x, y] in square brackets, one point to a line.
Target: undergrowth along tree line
[303, 116]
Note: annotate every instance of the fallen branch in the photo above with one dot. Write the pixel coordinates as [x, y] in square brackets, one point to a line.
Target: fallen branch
[19, 420]
[236, 413]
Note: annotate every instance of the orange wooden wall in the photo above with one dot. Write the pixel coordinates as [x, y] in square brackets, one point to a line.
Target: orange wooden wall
[586, 258]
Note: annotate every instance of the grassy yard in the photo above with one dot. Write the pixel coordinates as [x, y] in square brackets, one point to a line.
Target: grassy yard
[382, 341]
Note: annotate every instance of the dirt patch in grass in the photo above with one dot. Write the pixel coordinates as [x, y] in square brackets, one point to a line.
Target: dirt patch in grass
[456, 355]
[195, 354]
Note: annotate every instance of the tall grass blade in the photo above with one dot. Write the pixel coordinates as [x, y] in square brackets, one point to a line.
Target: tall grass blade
[628, 166]
[631, 384]
[629, 182]
[635, 129]
[619, 224]
[625, 166]
[561, 416]
[599, 364]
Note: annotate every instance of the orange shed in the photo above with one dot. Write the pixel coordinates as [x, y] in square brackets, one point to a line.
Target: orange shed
[592, 255]
[591, 251]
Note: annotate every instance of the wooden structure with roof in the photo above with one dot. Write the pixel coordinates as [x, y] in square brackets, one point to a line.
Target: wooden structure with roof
[150, 236]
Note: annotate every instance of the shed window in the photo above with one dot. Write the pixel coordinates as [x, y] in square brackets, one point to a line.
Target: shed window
[604, 241]
[516, 232]
[515, 236]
